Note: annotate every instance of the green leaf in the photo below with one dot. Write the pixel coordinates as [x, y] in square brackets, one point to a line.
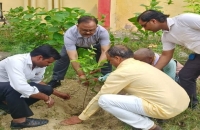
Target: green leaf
[41, 13]
[54, 29]
[67, 9]
[47, 18]
[57, 18]
[68, 25]
[57, 36]
[28, 16]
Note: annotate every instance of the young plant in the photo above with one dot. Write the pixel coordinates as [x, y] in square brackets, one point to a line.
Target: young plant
[88, 66]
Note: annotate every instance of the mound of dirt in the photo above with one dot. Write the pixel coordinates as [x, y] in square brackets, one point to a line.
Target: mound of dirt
[64, 109]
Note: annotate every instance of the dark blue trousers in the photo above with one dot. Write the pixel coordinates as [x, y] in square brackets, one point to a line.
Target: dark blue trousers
[17, 106]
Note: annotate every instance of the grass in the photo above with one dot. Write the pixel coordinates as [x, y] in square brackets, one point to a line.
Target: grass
[187, 120]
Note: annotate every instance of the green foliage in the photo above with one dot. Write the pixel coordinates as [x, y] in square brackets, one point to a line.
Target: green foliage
[141, 33]
[35, 26]
[87, 61]
[193, 6]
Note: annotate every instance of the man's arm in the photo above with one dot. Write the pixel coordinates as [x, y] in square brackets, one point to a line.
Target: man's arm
[109, 87]
[164, 59]
[58, 93]
[103, 52]
[47, 99]
[73, 55]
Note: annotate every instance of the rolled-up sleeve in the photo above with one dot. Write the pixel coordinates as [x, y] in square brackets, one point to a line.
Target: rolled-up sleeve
[17, 78]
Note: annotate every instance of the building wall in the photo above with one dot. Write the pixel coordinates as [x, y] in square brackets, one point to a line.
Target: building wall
[89, 5]
[120, 10]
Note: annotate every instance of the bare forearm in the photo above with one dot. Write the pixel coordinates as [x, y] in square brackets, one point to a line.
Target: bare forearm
[40, 96]
[162, 62]
[77, 68]
[164, 59]
[102, 57]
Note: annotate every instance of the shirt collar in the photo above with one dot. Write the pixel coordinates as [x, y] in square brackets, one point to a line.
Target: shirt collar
[29, 61]
[170, 23]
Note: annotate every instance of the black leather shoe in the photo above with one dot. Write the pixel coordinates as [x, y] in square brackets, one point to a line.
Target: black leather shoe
[30, 122]
[54, 83]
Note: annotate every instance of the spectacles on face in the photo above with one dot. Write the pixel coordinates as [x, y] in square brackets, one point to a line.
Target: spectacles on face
[144, 25]
[88, 31]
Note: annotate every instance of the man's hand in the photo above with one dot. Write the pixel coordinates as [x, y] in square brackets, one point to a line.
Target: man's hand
[71, 121]
[62, 95]
[95, 71]
[50, 102]
[83, 80]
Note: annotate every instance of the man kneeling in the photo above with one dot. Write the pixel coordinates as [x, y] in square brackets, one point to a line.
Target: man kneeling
[16, 94]
[152, 93]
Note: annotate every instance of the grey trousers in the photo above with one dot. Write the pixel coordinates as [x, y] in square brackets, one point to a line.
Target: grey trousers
[188, 76]
[61, 65]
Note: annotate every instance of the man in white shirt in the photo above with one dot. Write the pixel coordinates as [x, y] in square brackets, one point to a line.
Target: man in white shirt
[183, 30]
[16, 94]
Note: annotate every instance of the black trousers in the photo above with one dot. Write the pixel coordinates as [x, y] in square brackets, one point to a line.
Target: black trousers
[17, 106]
[61, 65]
[188, 76]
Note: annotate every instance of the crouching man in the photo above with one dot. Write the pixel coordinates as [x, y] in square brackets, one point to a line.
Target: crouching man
[151, 93]
[16, 94]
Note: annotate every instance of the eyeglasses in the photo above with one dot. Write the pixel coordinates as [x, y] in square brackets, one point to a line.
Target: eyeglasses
[144, 25]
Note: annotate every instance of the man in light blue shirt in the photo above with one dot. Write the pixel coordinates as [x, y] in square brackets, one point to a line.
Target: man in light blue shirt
[85, 34]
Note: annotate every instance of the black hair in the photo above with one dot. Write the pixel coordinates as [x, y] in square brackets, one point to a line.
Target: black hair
[46, 51]
[147, 15]
[121, 51]
[86, 19]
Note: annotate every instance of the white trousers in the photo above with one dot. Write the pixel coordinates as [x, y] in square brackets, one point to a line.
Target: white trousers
[126, 108]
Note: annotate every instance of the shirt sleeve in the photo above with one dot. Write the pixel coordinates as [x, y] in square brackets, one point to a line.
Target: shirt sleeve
[166, 44]
[113, 85]
[39, 76]
[190, 20]
[104, 38]
[14, 69]
[69, 40]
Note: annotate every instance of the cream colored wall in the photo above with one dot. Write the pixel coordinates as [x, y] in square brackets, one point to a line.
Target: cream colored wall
[122, 10]
[89, 5]
[7, 4]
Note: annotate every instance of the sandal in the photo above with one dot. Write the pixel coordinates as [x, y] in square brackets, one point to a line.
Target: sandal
[30, 122]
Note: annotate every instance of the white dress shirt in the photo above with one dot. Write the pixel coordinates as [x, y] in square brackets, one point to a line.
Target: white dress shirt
[18, 70]
[184, 30]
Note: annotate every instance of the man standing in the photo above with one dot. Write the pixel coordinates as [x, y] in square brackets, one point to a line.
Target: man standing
[147, 96]
[16, 94]
[183, 30]
[84, 35]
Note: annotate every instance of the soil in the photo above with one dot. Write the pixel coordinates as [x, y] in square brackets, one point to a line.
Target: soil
[64, 109]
